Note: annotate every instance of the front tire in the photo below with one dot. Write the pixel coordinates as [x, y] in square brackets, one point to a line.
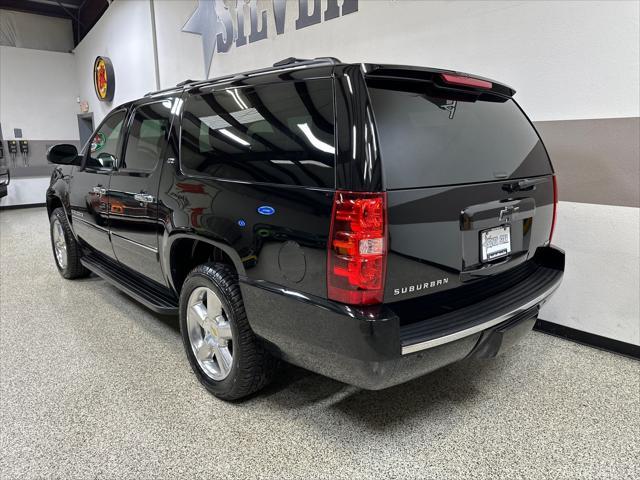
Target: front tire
[221, 348]
[66, 250]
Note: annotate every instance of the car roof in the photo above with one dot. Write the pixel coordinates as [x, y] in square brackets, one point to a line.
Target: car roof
[289, 64]
[326, 66]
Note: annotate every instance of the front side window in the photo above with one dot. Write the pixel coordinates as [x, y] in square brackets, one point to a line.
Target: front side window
[280, 133]
[103, 150]
[147, 136]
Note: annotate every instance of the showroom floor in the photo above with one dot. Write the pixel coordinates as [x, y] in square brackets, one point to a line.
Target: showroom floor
[94, 385]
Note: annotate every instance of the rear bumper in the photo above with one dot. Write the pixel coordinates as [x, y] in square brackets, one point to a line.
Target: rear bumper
[372, 348]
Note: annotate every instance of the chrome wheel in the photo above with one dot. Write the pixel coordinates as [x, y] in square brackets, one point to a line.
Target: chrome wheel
[210, 333]
[59, 244]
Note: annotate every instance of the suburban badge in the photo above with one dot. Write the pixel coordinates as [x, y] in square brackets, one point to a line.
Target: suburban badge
[420, 286]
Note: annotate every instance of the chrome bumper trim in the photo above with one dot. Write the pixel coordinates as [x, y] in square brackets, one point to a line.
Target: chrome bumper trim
[416, 347]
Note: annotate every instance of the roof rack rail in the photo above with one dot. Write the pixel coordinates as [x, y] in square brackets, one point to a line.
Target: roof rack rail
[169, 89]
[293, 60]
[156, 92]
[282, 63]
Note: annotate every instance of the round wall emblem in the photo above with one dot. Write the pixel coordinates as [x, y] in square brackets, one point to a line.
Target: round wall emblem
[104, 79]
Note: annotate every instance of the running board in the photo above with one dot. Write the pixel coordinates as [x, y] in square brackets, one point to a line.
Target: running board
[151, 295]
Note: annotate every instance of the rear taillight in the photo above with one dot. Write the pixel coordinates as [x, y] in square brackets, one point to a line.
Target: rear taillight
[555, 208]
[465, 81]
[357, 249]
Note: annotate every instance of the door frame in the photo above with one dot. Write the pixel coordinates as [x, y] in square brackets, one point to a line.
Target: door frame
[82, 117]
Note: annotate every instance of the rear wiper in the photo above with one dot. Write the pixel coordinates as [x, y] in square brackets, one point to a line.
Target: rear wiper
[523, 185]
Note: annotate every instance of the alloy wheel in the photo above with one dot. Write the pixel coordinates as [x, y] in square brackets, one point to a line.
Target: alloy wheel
[210, 333]
[59, 244]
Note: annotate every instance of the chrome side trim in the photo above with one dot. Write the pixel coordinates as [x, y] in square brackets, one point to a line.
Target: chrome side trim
[416, 347]
[137, 244]
[89, 224]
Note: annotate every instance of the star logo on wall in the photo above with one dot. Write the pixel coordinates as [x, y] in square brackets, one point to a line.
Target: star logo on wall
[204, 22]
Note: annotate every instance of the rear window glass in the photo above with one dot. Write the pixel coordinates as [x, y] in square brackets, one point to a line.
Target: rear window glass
[279, 133]
[430, 141]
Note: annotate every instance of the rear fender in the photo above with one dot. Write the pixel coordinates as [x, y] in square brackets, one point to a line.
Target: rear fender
[167, 244]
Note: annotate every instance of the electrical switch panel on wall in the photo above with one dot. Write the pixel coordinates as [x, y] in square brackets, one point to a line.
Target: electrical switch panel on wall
[24, 151]
[13, 151]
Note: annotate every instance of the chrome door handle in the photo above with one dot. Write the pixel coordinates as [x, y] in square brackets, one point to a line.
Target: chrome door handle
[144, 197]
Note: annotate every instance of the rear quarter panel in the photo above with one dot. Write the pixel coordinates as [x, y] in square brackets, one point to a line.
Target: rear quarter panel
[286, 247]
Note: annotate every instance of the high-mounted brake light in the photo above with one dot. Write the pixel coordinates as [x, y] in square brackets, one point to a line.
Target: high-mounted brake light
[555, 208]
[465, 81]
[357, 249]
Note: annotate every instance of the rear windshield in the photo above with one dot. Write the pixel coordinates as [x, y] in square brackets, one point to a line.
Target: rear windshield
[429, 141]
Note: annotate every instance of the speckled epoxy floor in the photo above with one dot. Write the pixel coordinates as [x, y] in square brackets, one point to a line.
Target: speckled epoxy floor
[94, 385]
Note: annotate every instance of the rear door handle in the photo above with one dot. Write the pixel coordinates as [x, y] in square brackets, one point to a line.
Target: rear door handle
[144, 198]
[523, 185]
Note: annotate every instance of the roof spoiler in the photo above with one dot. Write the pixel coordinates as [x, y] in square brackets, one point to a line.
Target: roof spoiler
[447, 79]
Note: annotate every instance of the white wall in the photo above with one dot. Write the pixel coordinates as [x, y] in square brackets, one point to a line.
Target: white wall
[566, 59]
[38, 91]
[26, 30]
[179, 53]
[124, 35]
[26, 191]
[601, 285]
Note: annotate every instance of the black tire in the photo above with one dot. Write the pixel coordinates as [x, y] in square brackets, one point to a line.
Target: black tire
[73, 268]
[253, 367]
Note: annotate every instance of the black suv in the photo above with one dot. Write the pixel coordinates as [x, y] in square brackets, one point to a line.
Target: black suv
[368, 222]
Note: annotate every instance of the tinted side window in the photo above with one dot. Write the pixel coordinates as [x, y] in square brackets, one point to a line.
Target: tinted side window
[103, 151]
[147, 136]
[280, 133]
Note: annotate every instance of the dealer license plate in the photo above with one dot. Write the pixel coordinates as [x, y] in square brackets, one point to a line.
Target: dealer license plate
[495, 243]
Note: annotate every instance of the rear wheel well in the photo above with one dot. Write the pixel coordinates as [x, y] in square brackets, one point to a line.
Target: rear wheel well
[188, 253]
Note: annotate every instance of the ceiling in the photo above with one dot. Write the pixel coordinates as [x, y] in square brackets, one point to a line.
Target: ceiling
[83, 13]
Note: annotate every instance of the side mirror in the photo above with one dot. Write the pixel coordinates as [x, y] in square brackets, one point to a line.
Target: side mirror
[64, 154]
[106, 160]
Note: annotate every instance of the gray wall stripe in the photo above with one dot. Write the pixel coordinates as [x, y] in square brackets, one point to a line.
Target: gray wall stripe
[38, 165]
[597, 161]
